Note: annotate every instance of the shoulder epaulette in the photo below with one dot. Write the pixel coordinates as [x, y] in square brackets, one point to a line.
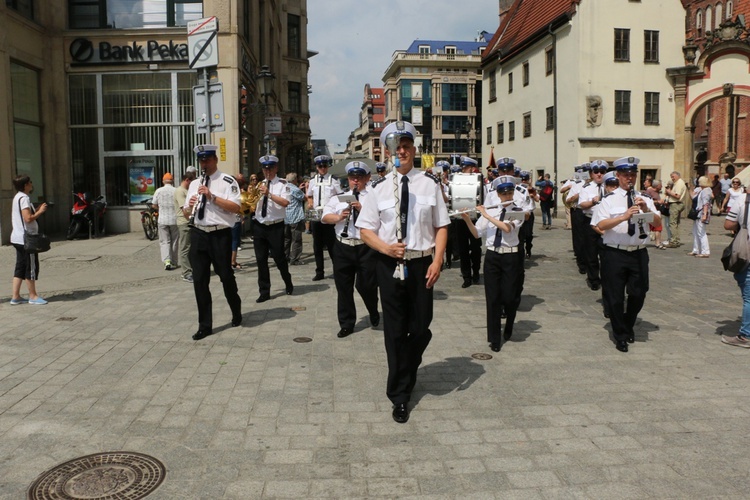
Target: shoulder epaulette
[432, 176]
[377, 181]
[587, 184]
[611, 192]
[519, 189]
[645, 195]
[228, 178]
[283, 181]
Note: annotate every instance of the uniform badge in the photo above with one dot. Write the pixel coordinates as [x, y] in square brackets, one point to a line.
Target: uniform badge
[235, 189]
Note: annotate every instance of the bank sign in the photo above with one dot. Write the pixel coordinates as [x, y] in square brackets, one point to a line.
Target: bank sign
[84, 51]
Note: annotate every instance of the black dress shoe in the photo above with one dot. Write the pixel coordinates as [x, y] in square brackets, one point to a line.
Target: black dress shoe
[581, 270]
[631, 338]
[622, 346]
[318, 277]
[401, 413]
[594, 286]
[495, 347]
[289, 289]
[375, 319]
[448, 264]
[201, 334]
[475, 279]
[237, 321]
[344, 332]
[466, 283]
[264, 297]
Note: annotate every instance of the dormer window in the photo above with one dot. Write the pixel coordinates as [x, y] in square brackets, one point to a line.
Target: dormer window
[424, 51]
[450, 51]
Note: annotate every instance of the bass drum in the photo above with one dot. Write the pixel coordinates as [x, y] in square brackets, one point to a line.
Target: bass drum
[466, 191]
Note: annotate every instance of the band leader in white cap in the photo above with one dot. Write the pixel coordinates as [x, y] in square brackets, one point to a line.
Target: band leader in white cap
[353, 262]
[405, 205]
[216, 198]
[624, 256]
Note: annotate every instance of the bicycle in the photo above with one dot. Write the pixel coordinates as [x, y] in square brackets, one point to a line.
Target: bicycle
[150, 220]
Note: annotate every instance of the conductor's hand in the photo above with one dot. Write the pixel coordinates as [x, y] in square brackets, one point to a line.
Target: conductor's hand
[433, 272]
[396, 250]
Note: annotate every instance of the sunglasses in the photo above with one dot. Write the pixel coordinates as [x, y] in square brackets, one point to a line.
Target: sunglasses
[599, 170]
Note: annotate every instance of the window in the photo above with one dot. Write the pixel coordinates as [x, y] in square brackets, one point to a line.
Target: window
[424, 51]
[27, 127]
[709, 19]
[23, 7]
[510, 83]
[651, 113]
[550, 112]
[549, 60]
[527, 124]
[719, 17]
[622, 44]
[455, 97]
[526, 74]
[116, 14]
[651, 46]
[493, 85]
[500, 132]
[453, 123]
[699, 19]
[730, 8]
[293, 38]
[512, 131]
[295, 97]
[450, 52]
[489, 135]
[622, 106]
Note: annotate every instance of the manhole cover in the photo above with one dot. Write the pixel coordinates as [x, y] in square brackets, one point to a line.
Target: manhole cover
[66, 318]
[122, 475]
[481, 356]
[298, 308]
[302, 340]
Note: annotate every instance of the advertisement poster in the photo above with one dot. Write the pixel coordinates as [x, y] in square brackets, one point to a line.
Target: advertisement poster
[141, 177]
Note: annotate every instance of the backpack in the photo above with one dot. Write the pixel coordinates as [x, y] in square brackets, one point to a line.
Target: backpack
[546, 193]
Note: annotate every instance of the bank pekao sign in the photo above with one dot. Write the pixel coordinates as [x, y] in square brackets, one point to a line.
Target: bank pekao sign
[84, 52]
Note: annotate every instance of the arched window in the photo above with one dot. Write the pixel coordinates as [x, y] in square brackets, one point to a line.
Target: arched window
[730, 6]
[709, 18]
[699, 19]
[719, 18]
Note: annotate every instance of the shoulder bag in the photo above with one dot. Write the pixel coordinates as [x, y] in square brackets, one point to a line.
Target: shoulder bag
[736, 256]
[33, 243]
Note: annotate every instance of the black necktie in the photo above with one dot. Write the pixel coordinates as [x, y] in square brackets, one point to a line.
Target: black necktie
[601, 192]
[202, 203]
[355, 212]
[499, 232]
[320, 190]
[631, 224]
[264, 208]
[404, 208]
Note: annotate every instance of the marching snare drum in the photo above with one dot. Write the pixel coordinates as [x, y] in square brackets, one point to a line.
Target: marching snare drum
[466, 192]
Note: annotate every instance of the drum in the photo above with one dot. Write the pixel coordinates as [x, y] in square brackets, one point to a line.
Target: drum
[466, 192]
[313, 215]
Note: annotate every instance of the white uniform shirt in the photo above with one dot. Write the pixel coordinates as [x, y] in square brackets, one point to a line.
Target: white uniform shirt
[522, 199]
[274, 211]
[427, 210]
[334, 206]
[614, 205]
[164, 198]
[489, 230]
[575, 189]
[590, 191]
[321, 188]
[222, 186]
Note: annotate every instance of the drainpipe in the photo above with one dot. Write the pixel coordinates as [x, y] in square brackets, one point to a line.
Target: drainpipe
[554, 108]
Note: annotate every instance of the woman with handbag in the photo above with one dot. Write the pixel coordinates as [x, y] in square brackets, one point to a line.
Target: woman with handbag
[653, 189]
[24, 218]
[733, 194]
[703, 197]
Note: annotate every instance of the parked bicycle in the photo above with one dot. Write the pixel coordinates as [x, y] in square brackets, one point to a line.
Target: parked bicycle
[150, 220]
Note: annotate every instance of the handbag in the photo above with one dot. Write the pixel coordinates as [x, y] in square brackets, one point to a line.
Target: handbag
[664, 209]
[736, 257]
[693, 214]
[33, 243]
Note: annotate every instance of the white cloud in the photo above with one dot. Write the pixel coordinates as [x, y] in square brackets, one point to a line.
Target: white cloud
[355, 41]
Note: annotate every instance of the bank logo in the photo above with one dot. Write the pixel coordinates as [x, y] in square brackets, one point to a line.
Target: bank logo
[81, 50]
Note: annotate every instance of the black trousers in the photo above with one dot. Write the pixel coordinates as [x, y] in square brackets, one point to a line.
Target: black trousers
[324, 237]
[354, 266]
[470, 251]
[451, 250]
[270, 239]
[624, 271]
[591, 246]
[577, 228]
[206, 250]
[526, 235]
[503, 283]
[407, 314]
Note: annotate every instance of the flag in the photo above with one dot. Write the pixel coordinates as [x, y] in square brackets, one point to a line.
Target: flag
[492, 157]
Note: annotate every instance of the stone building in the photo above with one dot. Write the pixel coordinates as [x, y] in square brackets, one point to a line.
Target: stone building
[97, 96]
[365, 139]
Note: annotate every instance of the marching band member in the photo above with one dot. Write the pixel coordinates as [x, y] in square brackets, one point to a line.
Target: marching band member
[353, 262]
[445, 184]
[577, 220]
[405, 219]
[527, 231]
[380, 170]
[322, 186]
[469, 247]
[503, 261]
[591, 195]
[268, 230]
[624, 256]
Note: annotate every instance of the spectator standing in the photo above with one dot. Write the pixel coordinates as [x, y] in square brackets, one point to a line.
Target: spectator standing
[546, 191]
[294, 221]
[703, 196]
[169, 236]
[183, 230]
[676, 199]
[734, 219]
[733, 196]
[23, 218]
[726, 183]
[237, 228]
[653, 189]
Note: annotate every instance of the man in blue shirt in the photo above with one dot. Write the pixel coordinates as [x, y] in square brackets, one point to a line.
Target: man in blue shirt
[294, 221]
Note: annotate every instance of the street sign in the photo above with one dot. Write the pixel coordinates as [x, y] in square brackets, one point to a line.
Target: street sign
[273, 125]
[202, 43]
[202, 120]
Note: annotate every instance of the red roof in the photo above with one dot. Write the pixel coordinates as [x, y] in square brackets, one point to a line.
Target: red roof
[525, 21]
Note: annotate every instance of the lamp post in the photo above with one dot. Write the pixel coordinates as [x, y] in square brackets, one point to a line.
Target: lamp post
[291, 124]
[457, 135]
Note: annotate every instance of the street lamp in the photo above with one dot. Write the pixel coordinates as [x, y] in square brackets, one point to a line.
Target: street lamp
[291, 124]
[457, 135]
[265, 81]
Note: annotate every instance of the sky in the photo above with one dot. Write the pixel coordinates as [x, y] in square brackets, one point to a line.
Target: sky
[355, 41]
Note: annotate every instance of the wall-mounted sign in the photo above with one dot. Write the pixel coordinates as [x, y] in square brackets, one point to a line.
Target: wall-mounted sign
[84, 51]
[273, 125]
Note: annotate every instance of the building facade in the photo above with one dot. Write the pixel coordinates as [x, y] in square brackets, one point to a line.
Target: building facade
[98, 96]
[569, 82]
[437, 86]
[365, 139]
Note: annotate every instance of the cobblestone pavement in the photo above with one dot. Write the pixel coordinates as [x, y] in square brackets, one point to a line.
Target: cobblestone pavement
[109, 365]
